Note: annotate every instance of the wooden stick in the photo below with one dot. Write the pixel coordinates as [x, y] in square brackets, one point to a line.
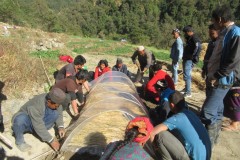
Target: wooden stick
[45, 71]
[6, 141]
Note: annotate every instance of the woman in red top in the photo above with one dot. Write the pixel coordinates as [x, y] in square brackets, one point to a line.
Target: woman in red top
[101, 68]
[159, 74]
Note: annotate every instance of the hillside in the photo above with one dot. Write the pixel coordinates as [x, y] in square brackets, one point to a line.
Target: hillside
[148, 22]
[23, 47]
[23, 76]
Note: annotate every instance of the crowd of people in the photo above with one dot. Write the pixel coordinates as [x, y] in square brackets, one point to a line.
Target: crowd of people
[173, 131]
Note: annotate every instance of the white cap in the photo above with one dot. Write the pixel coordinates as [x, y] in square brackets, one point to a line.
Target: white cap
[140, 48]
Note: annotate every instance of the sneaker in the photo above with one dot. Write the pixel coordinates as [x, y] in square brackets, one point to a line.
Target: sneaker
[187, 95]
[24, 147]
[138, 84]
[183, 91]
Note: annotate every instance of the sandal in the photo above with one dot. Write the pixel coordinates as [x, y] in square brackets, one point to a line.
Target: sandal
[230, 129]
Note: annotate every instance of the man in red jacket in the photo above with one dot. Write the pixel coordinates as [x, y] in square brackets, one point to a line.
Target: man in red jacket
[151, 93]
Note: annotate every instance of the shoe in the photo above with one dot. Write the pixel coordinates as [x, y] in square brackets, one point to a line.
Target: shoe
[187, 95]
[183, 91]
[24, 147]
[138, 84]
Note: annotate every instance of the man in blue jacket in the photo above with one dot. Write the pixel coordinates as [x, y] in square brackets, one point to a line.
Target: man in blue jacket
[176, 54]
[223, 70]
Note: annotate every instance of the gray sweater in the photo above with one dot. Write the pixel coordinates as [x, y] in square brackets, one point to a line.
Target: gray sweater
[145, 60]
[35, 109]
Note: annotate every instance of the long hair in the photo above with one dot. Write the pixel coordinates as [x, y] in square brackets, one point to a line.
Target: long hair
[103, 61]
[129, 136]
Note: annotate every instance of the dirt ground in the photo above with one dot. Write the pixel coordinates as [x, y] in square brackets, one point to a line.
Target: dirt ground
[228, 147]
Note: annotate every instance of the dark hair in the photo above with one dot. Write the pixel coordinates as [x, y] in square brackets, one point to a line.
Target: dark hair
[48, 97]
[223, 12]
[82, 74]
[212, 27]
[129, 136]
[177, 99]
[79, 60]
[188, 28]
[103, 61]
[157, 66]
[161, 84]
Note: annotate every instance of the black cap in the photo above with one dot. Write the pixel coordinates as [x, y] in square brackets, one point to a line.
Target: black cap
[188, 28]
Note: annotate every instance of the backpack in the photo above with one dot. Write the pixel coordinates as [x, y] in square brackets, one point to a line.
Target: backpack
[66, 58]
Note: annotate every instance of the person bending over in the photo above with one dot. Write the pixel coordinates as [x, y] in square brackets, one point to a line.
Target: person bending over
[73, 87]
[37, 116]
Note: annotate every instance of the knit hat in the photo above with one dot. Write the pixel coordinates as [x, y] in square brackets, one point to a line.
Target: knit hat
[176, 30]
[140, 48]
[57, 95]
[119, 61]
[145, 127]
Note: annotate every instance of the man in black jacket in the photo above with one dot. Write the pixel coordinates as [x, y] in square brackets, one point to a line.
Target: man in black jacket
[190, 57]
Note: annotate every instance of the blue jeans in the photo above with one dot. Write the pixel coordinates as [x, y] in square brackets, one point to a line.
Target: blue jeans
[212, 110]
[187, 71]
[22, 123]
[175, 72]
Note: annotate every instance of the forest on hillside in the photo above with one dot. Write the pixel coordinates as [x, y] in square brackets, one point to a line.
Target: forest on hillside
[147, 22]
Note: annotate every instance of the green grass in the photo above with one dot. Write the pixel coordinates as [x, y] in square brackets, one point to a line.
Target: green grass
[51, 54]
[199, 64]
[90, 45]
[80, 50]
[110, 47]
[124, 50]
